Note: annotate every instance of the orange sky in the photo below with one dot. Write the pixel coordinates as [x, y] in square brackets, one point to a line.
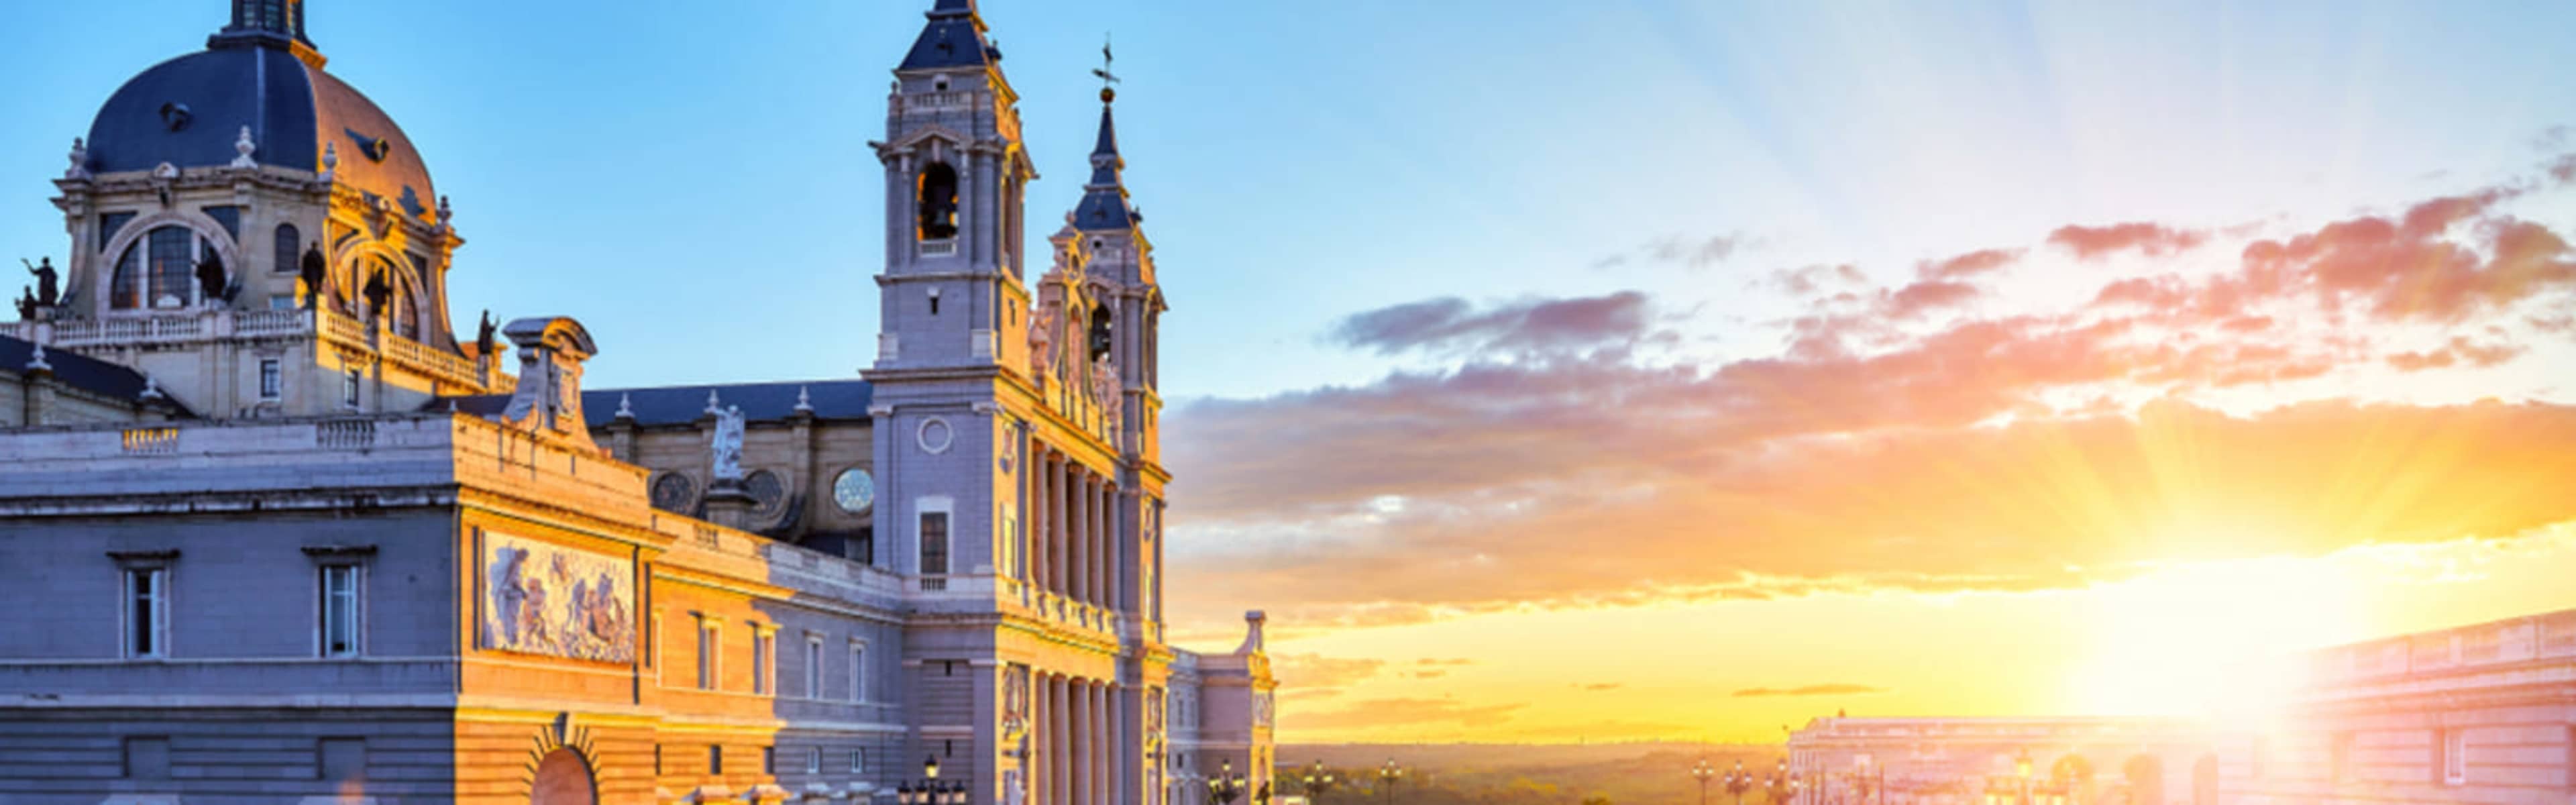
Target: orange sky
[2116, 468]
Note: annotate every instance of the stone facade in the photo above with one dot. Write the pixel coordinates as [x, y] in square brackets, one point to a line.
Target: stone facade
[286, 537]
[2478, 714]
[1995, 761]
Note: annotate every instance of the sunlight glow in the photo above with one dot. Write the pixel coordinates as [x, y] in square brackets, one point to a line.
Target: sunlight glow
[2215, 639]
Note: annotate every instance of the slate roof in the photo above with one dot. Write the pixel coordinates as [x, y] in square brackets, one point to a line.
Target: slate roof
[953, 38]
[112, 380]
[293, 110]
[681, 405]
[1104, 204]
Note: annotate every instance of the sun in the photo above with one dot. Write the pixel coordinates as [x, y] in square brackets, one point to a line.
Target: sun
[2216, 639]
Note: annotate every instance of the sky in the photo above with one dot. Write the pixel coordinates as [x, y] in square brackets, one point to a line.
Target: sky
[1624, 370]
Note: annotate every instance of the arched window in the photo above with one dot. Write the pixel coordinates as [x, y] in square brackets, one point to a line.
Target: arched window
[289, 242]
[1100, 335]
[159, 270]
[938, 202]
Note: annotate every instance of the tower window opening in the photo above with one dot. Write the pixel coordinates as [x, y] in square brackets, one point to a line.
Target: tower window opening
[938, 202]
[1100, 335]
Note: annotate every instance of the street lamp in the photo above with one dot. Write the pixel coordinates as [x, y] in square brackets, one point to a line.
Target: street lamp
[1318, 780]
[929, 790]
[1226, 786]
[2021, 768]
[1390, 774]
[1737, 781]
[1702, 772]
[1778, 785]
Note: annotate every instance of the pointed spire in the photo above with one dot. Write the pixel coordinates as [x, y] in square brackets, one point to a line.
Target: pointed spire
[1104, 200]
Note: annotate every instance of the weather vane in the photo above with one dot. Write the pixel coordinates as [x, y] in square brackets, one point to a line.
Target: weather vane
[1107, 60]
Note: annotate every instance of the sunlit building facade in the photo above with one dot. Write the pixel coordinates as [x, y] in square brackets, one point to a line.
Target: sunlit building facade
[272, 530]
[2480, 714]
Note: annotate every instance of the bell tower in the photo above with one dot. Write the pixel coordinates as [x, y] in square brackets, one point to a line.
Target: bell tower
[956, 174]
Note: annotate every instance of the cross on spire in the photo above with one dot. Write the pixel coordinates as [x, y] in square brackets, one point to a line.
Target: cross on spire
[1107, 60]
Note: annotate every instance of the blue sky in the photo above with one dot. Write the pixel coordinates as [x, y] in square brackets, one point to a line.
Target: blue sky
[696, 187]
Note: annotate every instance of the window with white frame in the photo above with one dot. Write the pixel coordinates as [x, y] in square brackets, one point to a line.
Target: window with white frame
[349, 385]
[858, 761]
[707, 655]
[2455, 757]
[272, 379]
[813, 760]
[337, 629]
[761, 640]
[858, 671]
[934, 543]
[813, 666]
[147, 612]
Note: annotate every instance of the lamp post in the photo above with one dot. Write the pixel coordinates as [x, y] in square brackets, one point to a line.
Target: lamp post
[1226, 786]
[1778, 785]
[1317, 780]
[1737, 781]
[1389, 775]
[1701, 773]
[1861, 779]
[929, 790]
[2021, 768]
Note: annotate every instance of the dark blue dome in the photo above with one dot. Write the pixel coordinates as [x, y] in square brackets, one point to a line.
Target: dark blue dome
[188, 112]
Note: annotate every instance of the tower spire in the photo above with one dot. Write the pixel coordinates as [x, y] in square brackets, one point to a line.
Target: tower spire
[954, 37]
[1104, 199]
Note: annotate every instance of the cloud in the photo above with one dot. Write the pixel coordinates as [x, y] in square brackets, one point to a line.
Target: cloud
[1416, 713]
[1687, 252]
[1600, 686]
[1828, 689]
[2459, 352]
[1318, 672]
[2029, 449]
[1450, 324]
[2152, 240]
[1808, 280]
[1980, 262]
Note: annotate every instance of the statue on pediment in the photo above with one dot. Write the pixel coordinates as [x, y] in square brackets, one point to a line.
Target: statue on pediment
[727, 445]
[48, 291]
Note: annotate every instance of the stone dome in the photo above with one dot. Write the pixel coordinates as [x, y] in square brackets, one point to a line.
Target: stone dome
[190, 110]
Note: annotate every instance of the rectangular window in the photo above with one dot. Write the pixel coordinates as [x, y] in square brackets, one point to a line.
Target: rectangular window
[147, 609]
[279, 301]
[934, 543]
[858, 761]
[349, 388]
[657, 760]
[272, 379]
[339, 626]
[813, 667]
[814, 760]
[760, 661]
[2455, 757]
[769, 760]
[707, 657]
[341, 760]
[715, 759]
[858, 672]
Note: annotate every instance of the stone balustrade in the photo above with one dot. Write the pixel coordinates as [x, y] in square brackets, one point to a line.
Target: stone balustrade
[217, 324]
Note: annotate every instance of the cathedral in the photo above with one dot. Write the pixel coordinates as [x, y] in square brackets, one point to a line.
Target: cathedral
[274, 530]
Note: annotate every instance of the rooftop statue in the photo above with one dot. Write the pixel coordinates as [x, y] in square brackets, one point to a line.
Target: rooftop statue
[727, 445]
[48, 282]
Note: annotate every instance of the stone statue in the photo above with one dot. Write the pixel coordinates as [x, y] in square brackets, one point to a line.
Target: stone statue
[378, 294]
[728, 445]
[80, 160]
[1106, 387]
[483, 335]
[48, 282]
[1042, 346]
[210, 278]
[314, 265]
[27, 304]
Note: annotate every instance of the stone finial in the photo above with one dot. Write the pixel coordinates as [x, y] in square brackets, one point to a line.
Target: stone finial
[713, 407]
[151, 388]
[36, 363]
[446, 213]
[625, 406]
[1252, 638]
[245, 147]
[804, 401]
[330, 160]
[80, 160]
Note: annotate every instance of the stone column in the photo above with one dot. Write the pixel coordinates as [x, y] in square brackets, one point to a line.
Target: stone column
[1081, 536]
[1100, 595]
[1101, 760]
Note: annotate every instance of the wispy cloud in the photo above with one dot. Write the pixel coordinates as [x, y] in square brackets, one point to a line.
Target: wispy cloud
[1827, 689]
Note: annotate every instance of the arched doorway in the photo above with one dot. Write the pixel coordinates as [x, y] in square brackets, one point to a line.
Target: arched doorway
[563, 778]
[2145, 775]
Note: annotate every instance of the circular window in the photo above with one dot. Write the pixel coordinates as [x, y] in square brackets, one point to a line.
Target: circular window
[936, 436]
[854, 491]
[768, 493]
[674, 493]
